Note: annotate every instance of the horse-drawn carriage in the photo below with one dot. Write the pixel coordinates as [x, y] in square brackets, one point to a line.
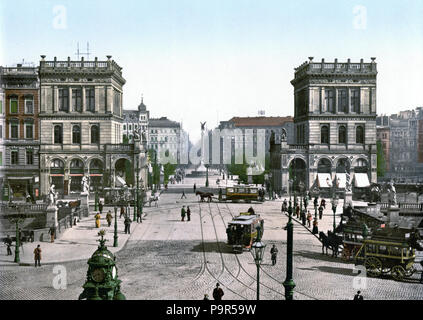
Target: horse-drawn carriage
[243, 230]
[387, 257]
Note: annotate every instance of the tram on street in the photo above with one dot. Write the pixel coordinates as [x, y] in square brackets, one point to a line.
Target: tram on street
[246, 193]
[243, 230]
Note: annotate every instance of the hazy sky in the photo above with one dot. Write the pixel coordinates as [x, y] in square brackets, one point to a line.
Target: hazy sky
[198, 60]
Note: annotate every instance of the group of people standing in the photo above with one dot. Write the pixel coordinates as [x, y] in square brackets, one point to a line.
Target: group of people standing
[186, 213]
[300, 213]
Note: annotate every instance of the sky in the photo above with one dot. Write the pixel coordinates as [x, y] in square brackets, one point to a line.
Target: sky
[200, 60]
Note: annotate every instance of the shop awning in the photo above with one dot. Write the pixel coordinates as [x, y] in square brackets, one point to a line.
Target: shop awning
[341, 179]
[120, 181]
[361, 180]
[96, 175]
[76, 174]
[57, 175]
[20, 178]
[324, 180]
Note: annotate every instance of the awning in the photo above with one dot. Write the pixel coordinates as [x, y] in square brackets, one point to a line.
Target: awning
[341, 179]
[96, 175]
[324, 180]
[19, 178]
[76, 174]
[57, 175]
[120, 181]
[361, 180]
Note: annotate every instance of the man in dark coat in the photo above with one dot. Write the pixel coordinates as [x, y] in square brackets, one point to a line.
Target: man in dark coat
[316, 202]
[195, 187]
[183, 213]
[303, 217]
[218, 293]
[358, 296]
[274, 253]
[127, 223]
[122, 211]
[251, 211]
[320, 212]
[100, 207]
[109, 218]
[188, 214]
[52, 233]
[183, 194]
[8, 242]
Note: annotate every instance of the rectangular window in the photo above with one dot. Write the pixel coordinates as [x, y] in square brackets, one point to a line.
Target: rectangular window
[29, 156]
[29, 131]
[13, 106]
[330, 100]
[29, 106]
[90, 99]
[116, 102]
[1, 106]
[355, 100]
[14, 157]
[1, 132]
[77, 100]
[342, 101]
[64, 99]
[14, 130]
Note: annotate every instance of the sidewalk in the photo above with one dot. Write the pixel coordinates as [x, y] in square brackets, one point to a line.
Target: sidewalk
[76, 243]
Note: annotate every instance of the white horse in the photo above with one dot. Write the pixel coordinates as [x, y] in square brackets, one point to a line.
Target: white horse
[154, 198]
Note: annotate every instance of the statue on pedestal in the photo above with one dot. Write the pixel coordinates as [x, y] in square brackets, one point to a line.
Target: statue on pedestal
[52, 196]
[392, 194]
[85, 185]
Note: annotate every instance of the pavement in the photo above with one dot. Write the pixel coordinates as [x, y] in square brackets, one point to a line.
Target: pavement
[76, 243]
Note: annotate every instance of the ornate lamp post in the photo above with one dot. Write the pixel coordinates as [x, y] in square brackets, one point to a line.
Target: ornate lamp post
[96, 201]
[257, 251]
[289, 282]
[334, 205]
[138, 189]
[17, 219]
[290, 181]
[207, 175]
[115, 235]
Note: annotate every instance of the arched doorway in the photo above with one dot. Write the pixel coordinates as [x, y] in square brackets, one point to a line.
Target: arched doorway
[324, 178]
[124, 173]
[96, 175]
[76, 173]
[343, 165]
[298, 173]
[57, 175]
[361, 166]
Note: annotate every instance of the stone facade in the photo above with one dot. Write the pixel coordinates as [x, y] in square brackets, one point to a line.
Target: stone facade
[334, 125]
[134, 120]
[165, 138]
[81, 126]
[20, 104]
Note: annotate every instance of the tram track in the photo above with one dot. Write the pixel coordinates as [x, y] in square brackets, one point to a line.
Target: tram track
[268, 274]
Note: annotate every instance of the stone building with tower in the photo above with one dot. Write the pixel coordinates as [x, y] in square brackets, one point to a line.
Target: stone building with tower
[334, 128]
[81, 121]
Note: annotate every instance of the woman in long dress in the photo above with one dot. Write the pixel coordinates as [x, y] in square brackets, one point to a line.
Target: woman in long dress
[97, 220]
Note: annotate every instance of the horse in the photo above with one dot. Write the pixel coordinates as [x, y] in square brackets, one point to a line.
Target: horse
[329, 242]
[204, 195]
[154, 198]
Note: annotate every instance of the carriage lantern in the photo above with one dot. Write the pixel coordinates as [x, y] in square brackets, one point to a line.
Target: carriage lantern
[257, 251]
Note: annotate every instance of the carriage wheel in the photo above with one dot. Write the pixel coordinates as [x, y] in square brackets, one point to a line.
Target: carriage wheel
[373, 266]
[398, 273]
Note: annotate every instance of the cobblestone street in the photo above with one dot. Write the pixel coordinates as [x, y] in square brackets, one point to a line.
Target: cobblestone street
[165, 258]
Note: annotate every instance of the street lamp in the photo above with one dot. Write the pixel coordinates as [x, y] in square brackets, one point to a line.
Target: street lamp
[257, 251]
[207, 175]
[17, 219]
[289, 282]
[290, 181]
[115, 236]
[334, 205]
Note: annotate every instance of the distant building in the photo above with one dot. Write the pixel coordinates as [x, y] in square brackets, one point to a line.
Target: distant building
[20, 153]
[165, 137]
[134, 120]
[383, 135]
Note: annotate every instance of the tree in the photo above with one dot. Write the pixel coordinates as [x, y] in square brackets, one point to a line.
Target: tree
[381, 162]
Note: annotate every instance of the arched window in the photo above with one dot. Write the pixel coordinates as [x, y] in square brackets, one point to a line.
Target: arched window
[342, 135]
[58, 134]
[95, 134]
[359, 135]
[324, 134]
[76, 134]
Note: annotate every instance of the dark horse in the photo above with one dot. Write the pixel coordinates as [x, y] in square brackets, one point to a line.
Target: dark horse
[204, 195]
[330, 241]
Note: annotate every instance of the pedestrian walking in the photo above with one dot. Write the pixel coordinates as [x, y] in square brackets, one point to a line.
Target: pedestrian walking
[323, 203]
[183, 194]
[195, 187]
[37, 256]
[320, 212]
[218, 293]
[52, 233]
[316, 202]
[303, 217]
[206, 297]
[183, 213]
[358, 296]
[97, 220]
[284, 206]
[8, 242]
[122, 212]
[109, 218]
[127, 223]
[188, 214]
[273, 253]
[100, 207]
[315, 227]
[297, 211]
[309, 217]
